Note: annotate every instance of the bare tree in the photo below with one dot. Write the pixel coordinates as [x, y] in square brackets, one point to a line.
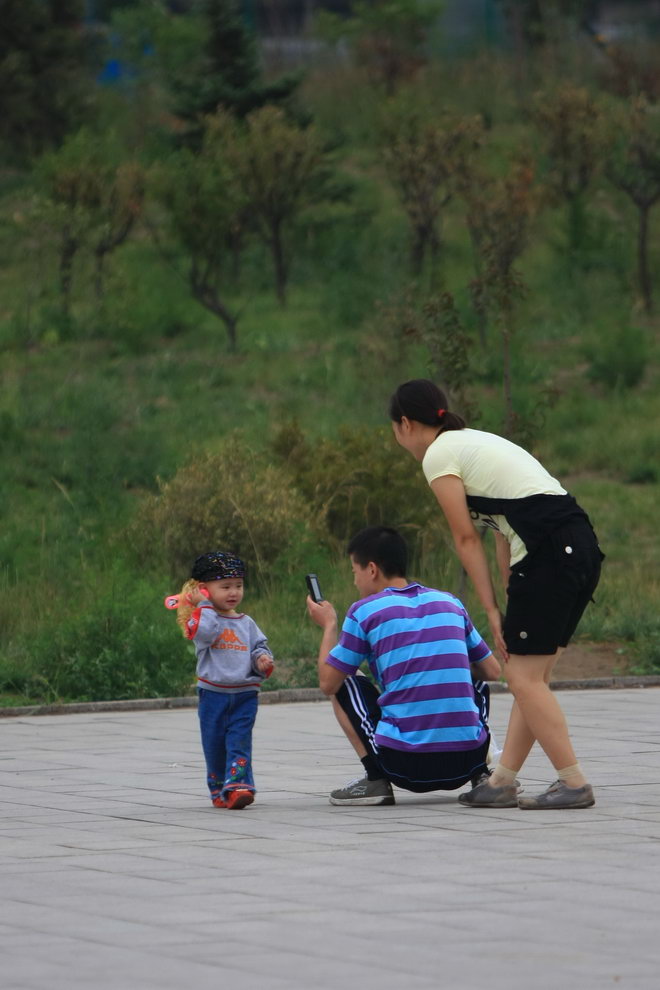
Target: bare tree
[122, 200]
[205, 208]
[499, 212]
[570, 126]
[88, 198]
[422, 158]
[634, 167]
[388, 37]
[280, 170]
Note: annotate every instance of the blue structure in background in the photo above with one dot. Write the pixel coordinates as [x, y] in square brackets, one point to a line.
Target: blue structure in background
[115, 69]
[464, 25]
[112, 71]
[468, 24]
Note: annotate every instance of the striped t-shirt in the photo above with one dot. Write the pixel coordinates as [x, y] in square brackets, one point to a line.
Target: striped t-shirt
[419, 644]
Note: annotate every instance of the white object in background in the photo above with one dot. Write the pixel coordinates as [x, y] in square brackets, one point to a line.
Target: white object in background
[494, 750]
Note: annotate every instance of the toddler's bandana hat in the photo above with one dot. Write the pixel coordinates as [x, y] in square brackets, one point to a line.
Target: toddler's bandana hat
[216, 566]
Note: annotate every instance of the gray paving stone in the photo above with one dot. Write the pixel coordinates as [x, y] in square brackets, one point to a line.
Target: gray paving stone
[117, 874]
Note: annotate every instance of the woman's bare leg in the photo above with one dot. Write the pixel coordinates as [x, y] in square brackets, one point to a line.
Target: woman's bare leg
[519, 737]
[517, 744]
[536, 715]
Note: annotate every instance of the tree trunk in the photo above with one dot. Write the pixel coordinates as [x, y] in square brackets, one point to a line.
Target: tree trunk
[103, 248]
[435, 254]
[279, 261]
[236, 249]
[417, 250]
[509, 414]
[206, 295]
[643, 273]
[521, 56]
[99, 271]
[478, 296]
[67, 254]
[577, 223]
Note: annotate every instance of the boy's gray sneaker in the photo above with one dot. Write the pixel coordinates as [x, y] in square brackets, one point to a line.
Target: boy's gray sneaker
[363, 791]
[483, 795]
[558, 795]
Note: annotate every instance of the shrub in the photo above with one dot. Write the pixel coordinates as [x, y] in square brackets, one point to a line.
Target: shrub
[138, 312]
[232, 499]
[360, 478]
[618, 360]
[647, 653]
[110, 648]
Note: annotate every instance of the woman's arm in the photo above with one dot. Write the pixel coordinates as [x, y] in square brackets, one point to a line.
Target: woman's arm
[450, 494]
[503, 555]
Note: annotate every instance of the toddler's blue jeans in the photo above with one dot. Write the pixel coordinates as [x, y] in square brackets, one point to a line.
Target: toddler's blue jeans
[226, 722]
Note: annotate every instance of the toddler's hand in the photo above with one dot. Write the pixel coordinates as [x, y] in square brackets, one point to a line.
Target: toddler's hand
[196, 596]
[265, 664]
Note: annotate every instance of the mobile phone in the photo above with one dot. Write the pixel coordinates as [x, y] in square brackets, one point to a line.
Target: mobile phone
[314, 587]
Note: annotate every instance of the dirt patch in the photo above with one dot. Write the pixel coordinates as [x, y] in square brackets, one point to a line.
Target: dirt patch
[581, 661]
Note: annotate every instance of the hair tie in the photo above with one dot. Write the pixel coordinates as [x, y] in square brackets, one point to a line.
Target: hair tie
[441, 413]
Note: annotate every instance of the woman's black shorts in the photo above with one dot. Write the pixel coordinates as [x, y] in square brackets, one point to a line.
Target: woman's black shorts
[550, 589]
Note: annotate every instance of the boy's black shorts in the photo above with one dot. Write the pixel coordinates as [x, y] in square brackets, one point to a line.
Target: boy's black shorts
[417, 772]
[550, 589]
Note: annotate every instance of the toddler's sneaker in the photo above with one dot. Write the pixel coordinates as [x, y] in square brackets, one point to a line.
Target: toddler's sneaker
[363, 791]
[239, 798]
[217, 802]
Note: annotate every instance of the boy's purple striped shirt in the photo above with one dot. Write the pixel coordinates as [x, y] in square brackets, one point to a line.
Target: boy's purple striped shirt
[426, 650]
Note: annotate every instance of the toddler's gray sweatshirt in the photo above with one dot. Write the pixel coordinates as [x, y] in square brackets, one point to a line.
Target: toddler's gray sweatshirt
[227, 648]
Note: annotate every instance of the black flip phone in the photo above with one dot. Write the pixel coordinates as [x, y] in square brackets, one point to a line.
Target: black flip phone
[314, 587]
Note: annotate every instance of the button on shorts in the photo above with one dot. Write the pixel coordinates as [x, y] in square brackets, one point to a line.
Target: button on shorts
[549, 590]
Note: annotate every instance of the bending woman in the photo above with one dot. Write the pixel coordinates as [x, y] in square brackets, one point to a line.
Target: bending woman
[549, 559]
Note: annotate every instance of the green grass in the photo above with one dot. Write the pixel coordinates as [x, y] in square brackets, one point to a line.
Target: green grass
[97, 412]
[14, 701]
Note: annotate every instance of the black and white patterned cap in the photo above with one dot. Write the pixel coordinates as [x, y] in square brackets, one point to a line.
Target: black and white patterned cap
[216, 566]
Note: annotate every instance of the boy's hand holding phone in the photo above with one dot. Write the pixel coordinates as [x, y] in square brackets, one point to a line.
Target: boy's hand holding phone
[320, 611]
[313, 587]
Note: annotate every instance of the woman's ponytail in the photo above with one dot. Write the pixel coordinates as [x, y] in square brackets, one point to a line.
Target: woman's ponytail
[422, 401]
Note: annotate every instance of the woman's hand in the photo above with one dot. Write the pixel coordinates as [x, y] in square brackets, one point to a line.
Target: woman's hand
[495, 623]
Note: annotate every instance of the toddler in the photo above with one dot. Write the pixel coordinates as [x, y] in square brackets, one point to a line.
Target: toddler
[233, 659]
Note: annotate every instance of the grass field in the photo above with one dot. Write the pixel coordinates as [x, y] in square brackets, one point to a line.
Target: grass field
[99, 411]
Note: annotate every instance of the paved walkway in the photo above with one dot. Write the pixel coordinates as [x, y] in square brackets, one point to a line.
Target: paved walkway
[116, 874]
